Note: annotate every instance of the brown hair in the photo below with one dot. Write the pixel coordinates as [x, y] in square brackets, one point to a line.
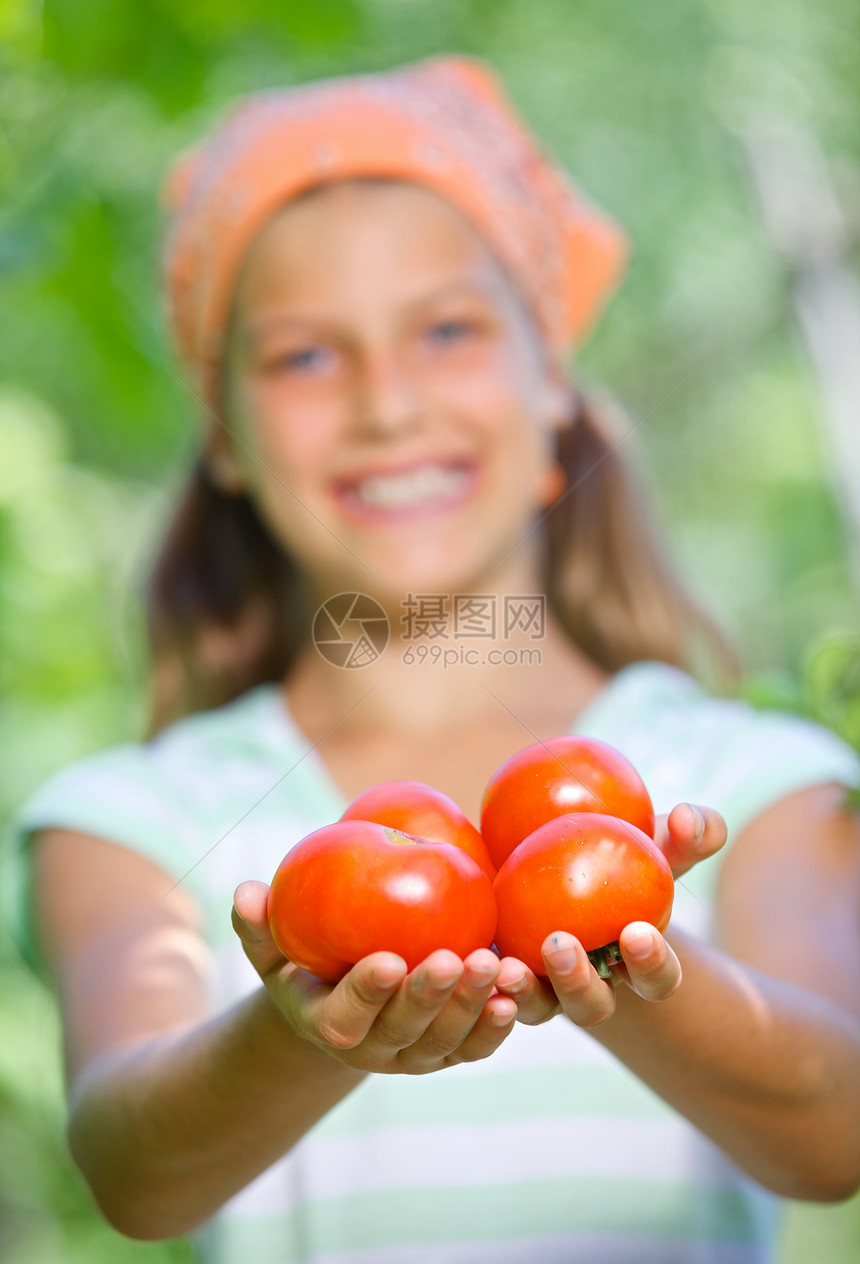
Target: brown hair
[608, 576]
[227, 609]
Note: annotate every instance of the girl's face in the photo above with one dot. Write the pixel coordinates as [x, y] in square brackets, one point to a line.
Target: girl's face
[393, 405]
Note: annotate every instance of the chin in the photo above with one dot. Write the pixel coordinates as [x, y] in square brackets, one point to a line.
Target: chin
[427, 561]
[391, 583]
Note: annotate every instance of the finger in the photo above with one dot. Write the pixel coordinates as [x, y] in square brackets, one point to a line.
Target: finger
[349, 1011]
[585, 998]
[453, 1024]
[419, 1001]
[251, 925]
[688, 835]
[536, 1001]
[652, 969]
[492, 1027]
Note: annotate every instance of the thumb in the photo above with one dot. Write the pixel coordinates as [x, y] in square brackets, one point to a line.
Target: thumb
[252, 926]
[689, 835]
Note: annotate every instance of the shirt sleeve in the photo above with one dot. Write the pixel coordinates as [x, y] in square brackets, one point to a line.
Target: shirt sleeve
[760, 757]
[728, 755]
[722, 753]
[119, 795]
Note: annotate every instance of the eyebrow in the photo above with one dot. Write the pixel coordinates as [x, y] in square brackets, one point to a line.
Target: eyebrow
[475, 286]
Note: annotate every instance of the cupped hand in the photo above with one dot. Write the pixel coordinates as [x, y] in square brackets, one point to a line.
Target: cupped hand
[573, 986]
[380, 1017]
[650, 968]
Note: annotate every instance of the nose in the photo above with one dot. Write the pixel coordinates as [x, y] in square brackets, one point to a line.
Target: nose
[388, 398]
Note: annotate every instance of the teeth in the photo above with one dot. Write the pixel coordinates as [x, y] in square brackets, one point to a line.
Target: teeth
[427, 482]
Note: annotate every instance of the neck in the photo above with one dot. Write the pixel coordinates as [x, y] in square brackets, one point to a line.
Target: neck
[425, 687]
[488, 650]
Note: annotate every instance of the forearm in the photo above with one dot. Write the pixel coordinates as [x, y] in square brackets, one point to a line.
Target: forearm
[770, 1072]
[166, 1131]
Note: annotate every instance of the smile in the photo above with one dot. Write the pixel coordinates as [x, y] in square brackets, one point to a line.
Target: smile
[422, 488]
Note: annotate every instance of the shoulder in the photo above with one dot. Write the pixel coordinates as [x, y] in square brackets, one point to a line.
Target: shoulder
[146, 780]
[159, 798]
[688, 744]
[133, 786]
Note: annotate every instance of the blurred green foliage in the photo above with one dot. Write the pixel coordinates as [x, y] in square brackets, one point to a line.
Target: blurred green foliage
[644, 103]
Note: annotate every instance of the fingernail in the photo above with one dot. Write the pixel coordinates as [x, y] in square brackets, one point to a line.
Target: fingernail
[699, 822]
[639, 945]
[562, 958]
[442, 979]
[480, 978]
[385, 976]
[514, 985]
[502, 1020]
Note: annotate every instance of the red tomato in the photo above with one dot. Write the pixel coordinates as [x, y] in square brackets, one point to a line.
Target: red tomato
[357, 887]
[586, 873]
[423, 812]
[565, 774]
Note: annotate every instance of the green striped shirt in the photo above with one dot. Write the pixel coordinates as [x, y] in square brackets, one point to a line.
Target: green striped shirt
[550, 1150]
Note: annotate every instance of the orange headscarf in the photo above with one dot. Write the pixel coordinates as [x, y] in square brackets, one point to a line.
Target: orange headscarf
[444, 123]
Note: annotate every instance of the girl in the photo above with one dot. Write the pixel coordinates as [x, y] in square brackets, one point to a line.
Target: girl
[375, 281]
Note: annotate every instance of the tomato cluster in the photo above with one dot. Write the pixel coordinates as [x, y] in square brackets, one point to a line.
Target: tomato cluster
[570, 824]
[566, 843]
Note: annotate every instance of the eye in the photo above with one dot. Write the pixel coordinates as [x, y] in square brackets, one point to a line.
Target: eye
[449, 331]
[311, 359]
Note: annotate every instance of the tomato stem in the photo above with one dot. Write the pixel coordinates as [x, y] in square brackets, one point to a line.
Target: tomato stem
[603, 958]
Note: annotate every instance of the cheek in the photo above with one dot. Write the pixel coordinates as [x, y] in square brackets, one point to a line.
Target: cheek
[504, 405]
[282, 450]
[500, 388]
[527, 458]
[489, 385]
[286, 440]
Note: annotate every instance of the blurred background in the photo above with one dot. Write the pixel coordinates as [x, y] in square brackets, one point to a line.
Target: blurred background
[725, 136]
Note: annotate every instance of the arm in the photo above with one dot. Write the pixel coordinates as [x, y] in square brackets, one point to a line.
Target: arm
[760, 1045]
[159, 1087]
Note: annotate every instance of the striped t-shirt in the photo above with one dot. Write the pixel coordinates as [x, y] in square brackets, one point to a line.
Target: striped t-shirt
[548, 1151]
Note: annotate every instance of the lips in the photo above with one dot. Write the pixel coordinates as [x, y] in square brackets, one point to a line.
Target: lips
[414, 491]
